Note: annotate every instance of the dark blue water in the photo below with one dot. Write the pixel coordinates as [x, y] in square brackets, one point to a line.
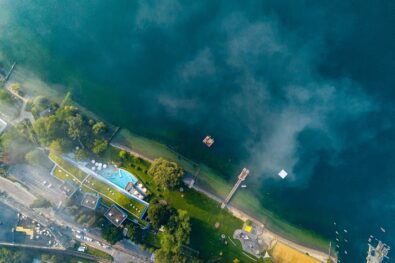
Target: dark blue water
[307, 86]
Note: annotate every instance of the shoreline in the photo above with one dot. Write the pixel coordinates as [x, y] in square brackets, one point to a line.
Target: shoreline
[235, 211]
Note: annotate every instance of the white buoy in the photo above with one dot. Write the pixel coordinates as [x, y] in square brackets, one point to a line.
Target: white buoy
[282, 174]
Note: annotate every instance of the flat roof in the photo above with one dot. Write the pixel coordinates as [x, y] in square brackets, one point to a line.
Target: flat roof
[115, 215]
[68, 188]
[90, 201]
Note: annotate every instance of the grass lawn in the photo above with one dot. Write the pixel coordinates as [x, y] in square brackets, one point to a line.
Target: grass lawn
[110, 194]
[65, 165]
[204, 213]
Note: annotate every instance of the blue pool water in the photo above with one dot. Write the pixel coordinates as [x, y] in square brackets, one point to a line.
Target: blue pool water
[119, 177]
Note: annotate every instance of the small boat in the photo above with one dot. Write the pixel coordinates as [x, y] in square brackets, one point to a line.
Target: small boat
[345, 240]
[382, 229]
[345, 252]
[345, 231]
[334, 223]
[243, 186]
[337, 240]
[337, 232]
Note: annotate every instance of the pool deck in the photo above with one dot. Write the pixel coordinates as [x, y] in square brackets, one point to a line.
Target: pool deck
[104, 180]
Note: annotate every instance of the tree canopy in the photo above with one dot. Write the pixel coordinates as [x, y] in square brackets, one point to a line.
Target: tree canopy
[99, 146]
[99, 127]
[134, 233]
[166, 174]
[111, 233]
[175, 235]
[159, 214]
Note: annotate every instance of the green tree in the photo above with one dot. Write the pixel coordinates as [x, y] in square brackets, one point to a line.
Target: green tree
[34, 157]
[80, 154]
[134, 233]
[76, 126]
[166, 174]
[5, 96]
[159, 214]
[162, 256]
[47, 129]
[99, 146]
[8, 255]
[236, 260]
[65, 99]
[111, 233]
[123, 155]
[57, 146]
[41, 103]
[175, 235]
[99, 128]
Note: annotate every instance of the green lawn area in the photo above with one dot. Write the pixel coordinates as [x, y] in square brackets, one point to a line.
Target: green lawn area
[204, 213]
[109, 193]
[65, 165]
[129, 204]
[217, 185]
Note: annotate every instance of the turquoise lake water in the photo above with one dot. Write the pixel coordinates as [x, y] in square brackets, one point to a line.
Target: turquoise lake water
[295, 85]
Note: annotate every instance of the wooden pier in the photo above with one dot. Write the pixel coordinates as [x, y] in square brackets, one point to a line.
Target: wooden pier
[242, 176]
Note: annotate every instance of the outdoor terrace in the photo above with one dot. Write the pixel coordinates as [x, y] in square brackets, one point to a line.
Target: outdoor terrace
[111, 195]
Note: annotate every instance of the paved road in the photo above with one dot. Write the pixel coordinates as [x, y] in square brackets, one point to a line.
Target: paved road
[57, 251]
[16, 191]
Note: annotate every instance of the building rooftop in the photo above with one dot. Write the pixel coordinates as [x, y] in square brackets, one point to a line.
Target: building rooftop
[68, 189]
[90, 201]
[115, 215]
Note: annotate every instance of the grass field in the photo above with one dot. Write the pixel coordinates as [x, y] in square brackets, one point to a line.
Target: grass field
[110, 194]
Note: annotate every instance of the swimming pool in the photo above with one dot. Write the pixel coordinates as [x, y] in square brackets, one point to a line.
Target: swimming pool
[118, 176]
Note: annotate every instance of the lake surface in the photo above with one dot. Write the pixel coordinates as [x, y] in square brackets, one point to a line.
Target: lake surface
[305, 87]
